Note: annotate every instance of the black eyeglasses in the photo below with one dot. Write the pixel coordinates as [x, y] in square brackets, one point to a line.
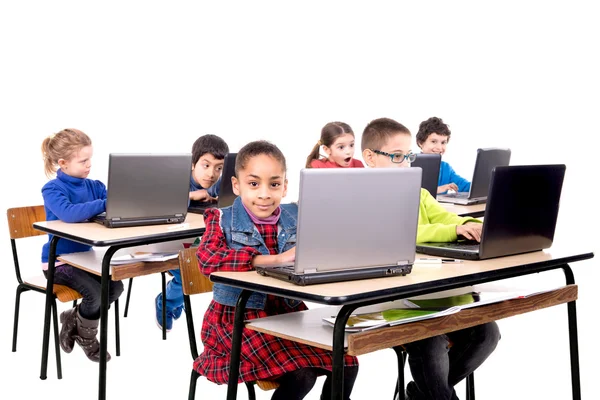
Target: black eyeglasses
[397, 158]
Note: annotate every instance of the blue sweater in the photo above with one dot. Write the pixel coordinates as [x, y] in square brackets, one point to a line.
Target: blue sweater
[447, 175]
[71, 199]
[213, 191]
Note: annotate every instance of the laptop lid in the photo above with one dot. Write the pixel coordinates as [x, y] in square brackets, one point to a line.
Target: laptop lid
[486, 160]
[338, 230]
[430, 164]
[522, 209]
[226, 195]
[148, 186]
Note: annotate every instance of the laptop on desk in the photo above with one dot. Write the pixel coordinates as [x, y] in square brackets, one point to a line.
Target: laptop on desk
[226, 195]
[339, 238]
[520, 214]
[146, 189]
[430, 164]
[486, 160]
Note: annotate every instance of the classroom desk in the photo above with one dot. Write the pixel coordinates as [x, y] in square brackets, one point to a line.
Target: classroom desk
[97, 235]
[475, 210]
[422, 280]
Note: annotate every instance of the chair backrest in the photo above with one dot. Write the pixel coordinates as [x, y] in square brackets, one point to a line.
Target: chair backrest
[192, 280]
[21, 219]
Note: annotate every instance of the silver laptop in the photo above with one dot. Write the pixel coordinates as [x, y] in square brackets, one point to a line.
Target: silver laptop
[486, 160]
[226, 195]
[520, 215]
[341, 237]
[146, 189]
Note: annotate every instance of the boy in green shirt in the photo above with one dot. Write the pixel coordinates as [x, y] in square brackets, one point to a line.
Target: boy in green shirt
[440, 362]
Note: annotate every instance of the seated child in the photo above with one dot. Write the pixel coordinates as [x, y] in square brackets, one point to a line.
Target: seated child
[257, 229]
[72, 197]
[432, 138]
[440, 362]
[337, 140]
[208, 153]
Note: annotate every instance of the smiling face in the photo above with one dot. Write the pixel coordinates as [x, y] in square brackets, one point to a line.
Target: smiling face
[79, 165]
[434, 144]
[261, 185]
[399, 143]
[342, 150]
[207, 170]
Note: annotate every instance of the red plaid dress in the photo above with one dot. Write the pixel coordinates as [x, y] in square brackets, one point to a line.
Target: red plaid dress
[264, 357]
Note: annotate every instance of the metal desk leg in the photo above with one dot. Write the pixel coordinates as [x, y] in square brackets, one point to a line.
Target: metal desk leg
[104, 289]
[573, 341]
[49, 301]
[337, 373]
[236, 345]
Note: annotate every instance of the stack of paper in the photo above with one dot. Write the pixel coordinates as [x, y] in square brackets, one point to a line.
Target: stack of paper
[141, 256]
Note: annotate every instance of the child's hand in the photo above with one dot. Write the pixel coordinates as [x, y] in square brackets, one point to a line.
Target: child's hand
[470, 230]
[202, 195]
[288, 256]
[449, 186]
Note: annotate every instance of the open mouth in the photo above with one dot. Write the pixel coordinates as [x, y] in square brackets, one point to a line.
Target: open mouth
[347, 159]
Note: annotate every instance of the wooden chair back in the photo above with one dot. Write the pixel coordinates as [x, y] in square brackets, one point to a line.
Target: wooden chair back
[21, 219]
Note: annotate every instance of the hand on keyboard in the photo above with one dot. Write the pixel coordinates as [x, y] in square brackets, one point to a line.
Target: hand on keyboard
[470, 230]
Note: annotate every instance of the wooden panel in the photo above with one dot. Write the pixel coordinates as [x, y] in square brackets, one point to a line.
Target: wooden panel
[267, 385]
[21, 219]
[192, 280]
[366, 342]
[63, 293]
[126, 271]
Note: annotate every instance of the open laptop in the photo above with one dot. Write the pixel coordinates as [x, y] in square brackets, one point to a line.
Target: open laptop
[226, 195]
[520, 215]
[430, 164]
[339, 238]
[146, 189]
[486, 160]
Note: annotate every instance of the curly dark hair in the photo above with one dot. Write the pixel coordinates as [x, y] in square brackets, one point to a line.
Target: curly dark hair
[257, 148]
[432, 125]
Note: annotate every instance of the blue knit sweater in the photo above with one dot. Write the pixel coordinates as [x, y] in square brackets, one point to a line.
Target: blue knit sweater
[71, 199]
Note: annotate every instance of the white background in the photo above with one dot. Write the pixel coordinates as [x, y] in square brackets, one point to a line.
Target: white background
[152, 76]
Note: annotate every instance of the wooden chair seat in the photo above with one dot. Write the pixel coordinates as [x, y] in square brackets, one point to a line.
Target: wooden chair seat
[63, 293]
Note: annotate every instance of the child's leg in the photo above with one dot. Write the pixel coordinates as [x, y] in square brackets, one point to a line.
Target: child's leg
[295, 385]
[430, 366]
[350, 374]
[470, 348]
[174, 300]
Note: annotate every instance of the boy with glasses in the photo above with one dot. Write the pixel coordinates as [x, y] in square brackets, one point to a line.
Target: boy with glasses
[440, 362]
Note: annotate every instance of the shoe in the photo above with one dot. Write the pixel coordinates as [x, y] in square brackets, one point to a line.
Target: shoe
[158, 307]
[87, 330]
[68, 319]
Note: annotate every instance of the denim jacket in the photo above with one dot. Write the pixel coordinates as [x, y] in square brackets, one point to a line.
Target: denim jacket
[239, 231]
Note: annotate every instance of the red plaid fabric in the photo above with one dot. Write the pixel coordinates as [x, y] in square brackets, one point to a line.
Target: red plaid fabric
[264, 357]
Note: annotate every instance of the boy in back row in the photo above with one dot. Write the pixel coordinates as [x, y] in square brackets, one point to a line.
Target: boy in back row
[208, 154]
[438, 363]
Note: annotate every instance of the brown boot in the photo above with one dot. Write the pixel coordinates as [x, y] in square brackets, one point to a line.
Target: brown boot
[68, 319]
[87, 329]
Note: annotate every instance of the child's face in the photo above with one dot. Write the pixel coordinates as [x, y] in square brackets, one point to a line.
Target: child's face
[207, 170]
[399, 143]
[79, 165]
[261, 185]
[342, 150]
[434, 144]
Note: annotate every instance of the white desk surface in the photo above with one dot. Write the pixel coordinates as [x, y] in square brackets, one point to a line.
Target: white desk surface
[420, 274]
[95, 232]
[463, 211]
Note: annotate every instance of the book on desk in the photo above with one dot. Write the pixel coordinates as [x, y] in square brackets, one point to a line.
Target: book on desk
[144, 256]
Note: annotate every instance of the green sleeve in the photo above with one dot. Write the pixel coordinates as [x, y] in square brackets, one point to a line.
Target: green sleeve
[435, 223]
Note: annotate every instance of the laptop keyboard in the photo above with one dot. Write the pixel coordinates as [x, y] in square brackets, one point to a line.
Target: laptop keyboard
[459, 195]
[466, 245]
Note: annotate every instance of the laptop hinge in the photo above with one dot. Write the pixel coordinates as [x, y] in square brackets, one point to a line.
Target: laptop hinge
[310, 271]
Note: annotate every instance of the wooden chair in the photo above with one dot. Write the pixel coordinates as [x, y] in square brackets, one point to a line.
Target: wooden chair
[20, 226]
[194, 282]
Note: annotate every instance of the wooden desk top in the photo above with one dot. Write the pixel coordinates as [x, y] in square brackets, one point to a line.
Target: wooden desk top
[423, 278]
[475, 211]
[95, 234]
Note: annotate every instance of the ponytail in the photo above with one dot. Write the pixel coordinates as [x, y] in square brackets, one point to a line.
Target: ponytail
[314, 154]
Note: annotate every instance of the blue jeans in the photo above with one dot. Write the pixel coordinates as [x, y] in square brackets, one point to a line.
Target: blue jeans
[88, 285]
[174, 293]
[440, 362]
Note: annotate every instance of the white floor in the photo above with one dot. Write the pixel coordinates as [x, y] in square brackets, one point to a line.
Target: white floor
[531, 362]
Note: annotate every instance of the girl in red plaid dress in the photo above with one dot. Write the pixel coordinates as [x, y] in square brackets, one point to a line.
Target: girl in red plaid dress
[257, 229]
